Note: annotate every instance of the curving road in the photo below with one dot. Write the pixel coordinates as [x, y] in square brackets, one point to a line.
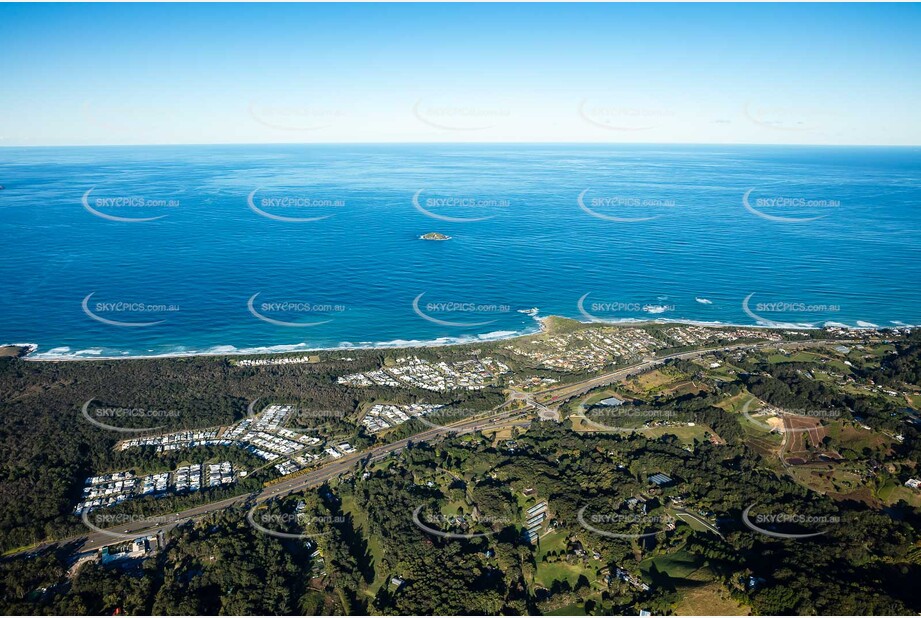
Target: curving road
[101, 537]
[557, 395]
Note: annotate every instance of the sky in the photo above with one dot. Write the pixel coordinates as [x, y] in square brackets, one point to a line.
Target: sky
[116, 74]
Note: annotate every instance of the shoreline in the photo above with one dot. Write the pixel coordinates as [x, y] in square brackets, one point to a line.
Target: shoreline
[437, 343]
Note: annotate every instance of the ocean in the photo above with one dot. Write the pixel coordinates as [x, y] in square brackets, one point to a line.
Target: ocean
[137, 251]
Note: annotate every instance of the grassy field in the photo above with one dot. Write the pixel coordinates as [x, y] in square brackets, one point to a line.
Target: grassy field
[350, 506]
[734, 403]
[686, 387]
[676, 565]
[597, 396]
[686, 435]
[700, 592]
[763, 441]
[684, 518]
[548, 572]
[557, 325]
[656, 380]
[573, 609]
[892, 492]
[823, 376]
[708, 598]
[723, 372]
[457, 507]
[554, 541]
[499, 434]
[832, 479]
[579, 425]
[799, 357]
[847, 435]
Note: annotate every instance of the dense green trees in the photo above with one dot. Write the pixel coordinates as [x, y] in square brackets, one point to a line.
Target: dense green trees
[220, 565]
[864, 564]
[47, 448]
[866, 561]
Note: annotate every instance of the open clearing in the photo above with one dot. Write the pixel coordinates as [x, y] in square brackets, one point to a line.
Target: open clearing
[700, 592]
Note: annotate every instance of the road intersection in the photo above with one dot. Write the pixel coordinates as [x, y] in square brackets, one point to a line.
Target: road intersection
[499, 417]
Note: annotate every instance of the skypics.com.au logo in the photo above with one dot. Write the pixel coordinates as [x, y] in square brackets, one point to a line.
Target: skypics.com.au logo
[295, 117]
[458, 308]
[96, 310]
[624, 208]
[458, 116]
[613, 311]
[442, 417]
[780, 524]
[463, 208]
[104, 417]
[429, 521]
[787, 418]
[104, 207]
[781, 208]
[624, 525]
[624, 419]
[623, 118]
[279, 525]
[126, 526]
[794, 310]
[293, 308]
[272, 206]
[288, 416]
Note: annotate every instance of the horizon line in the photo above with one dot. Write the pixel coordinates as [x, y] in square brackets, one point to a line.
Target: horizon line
[456, 143]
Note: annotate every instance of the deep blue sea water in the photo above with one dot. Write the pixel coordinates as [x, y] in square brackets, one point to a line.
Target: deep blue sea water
[661, 232]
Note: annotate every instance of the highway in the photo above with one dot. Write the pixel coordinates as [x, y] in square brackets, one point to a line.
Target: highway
[558, 394]
[554, 396]
[101, 537]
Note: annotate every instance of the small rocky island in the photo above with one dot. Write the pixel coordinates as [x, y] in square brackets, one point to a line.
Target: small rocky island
[434, 236]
